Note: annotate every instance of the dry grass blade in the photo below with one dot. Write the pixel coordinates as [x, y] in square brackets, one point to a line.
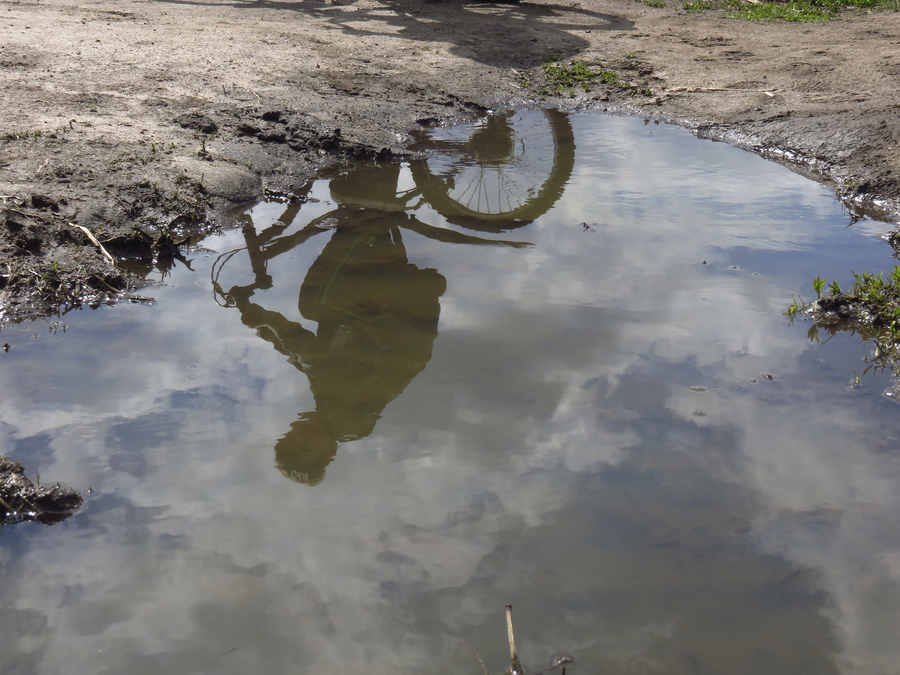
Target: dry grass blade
[96, 242]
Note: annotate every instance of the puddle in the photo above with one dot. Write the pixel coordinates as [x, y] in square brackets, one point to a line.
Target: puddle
[546, 367]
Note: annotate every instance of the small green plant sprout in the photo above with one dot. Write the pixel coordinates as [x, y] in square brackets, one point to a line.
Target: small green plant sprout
[203, 138]
[818, 285]
[631, 55]
[835, 288]
[794, 308]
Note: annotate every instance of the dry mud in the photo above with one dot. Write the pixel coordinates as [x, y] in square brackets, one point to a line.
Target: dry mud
[129, 127]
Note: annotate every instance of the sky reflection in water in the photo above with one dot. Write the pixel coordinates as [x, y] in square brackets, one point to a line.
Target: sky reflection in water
[578, 426]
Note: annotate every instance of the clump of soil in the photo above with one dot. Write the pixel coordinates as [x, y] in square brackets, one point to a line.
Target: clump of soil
[872, 311]
[52, 264]
[21, 499]
[843, 311]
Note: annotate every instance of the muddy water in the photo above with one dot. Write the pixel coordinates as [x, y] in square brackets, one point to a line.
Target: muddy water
[546, 367]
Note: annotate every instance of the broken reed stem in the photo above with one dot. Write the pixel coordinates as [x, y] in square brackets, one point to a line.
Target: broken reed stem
[515, 667]
[509, 632]
[95, 242]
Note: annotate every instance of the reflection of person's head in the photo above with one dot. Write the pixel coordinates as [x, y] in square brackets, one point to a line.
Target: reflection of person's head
[303, 452]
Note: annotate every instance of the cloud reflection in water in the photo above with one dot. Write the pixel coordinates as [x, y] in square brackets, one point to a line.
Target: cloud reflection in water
[549, 451]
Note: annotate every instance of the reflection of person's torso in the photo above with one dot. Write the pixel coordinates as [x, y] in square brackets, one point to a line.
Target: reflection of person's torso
[377, 317]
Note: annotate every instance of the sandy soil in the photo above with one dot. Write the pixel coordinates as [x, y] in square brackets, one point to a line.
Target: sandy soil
[138, 122]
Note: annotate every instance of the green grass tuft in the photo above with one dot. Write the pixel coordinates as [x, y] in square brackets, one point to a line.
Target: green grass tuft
[871, 307]
[564, 78]
[795, 10]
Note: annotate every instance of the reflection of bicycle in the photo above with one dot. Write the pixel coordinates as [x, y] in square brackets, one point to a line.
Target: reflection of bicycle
[506, 172]
[375, 312]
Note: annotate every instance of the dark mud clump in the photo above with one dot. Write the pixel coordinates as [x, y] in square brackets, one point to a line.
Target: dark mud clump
[21, 499]
[840, 310]
[54, 258]
[872, 311]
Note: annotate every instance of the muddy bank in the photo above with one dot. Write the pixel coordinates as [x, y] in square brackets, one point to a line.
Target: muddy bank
[21, 499]
[133, 126]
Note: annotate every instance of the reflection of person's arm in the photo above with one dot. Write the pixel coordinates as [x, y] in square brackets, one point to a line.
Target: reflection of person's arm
[288, 337]
[454, 237]
[284, 244]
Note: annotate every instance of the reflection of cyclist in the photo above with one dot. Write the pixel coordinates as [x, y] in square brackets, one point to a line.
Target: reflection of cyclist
[377, 314]
[377, 318]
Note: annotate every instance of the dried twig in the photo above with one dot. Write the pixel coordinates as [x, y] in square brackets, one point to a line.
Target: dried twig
[96, 242]
[21, 213]
[693, 90]
[106, 283]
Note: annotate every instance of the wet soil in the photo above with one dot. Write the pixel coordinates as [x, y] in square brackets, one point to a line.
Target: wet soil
[21, 499]
[131, 126]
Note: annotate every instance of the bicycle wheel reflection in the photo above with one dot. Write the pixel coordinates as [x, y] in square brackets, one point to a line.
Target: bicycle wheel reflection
[507, 171]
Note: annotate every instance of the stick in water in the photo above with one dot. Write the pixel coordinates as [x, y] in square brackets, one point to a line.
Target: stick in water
[516, 667]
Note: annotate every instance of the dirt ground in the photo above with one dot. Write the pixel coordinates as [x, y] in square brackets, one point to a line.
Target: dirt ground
[130, 126]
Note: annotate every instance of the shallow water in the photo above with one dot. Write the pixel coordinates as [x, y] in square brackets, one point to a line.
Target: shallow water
[363, 424]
